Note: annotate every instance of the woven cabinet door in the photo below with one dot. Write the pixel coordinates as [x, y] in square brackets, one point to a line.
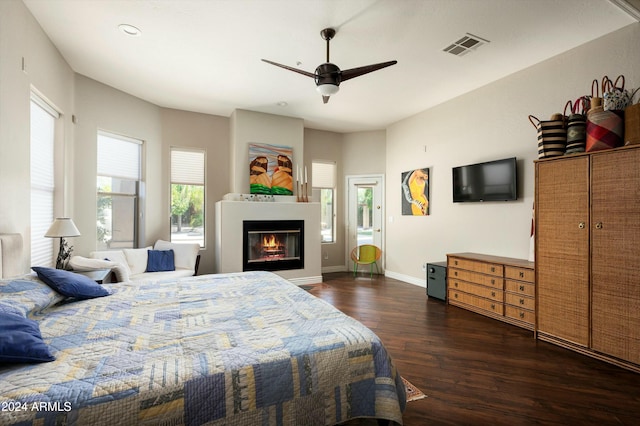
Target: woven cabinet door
[615, 267]
[562, 248]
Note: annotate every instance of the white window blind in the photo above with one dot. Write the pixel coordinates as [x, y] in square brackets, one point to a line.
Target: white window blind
[118, 156]
[187, 167]
[42, 128]
[323, 174]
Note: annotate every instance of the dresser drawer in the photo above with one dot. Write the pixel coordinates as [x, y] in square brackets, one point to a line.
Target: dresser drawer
[476, 266]
[519, 314]
[521, 274]
[478, 290]
[520, 301]
[475, 277]
[519, 287]
[458, 297]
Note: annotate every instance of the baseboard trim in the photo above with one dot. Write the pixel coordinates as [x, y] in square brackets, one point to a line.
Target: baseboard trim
[338, 268]
[306, 280]
[406, 278]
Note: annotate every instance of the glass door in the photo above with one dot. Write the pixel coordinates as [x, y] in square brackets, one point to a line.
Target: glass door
[365, 212]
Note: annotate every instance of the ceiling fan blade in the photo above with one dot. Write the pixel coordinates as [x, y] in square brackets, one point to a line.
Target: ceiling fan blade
[308, 74]
[325, 99]
[356, 72]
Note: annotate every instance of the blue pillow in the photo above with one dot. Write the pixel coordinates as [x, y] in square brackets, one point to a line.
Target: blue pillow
[20, 340]
[69, 284]
[160, 261]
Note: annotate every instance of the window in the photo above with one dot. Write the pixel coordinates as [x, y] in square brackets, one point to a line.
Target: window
[43, 121]
[187, 196]
[118, 184]
[323, 175]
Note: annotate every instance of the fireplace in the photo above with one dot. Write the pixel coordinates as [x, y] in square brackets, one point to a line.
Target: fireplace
[272, 245]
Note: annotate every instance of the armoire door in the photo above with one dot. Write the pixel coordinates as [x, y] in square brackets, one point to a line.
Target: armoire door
[615, 269]
[562, 248]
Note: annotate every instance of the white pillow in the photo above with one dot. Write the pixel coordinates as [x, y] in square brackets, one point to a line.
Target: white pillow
[184, 254]
[116, 256]
[137, 259]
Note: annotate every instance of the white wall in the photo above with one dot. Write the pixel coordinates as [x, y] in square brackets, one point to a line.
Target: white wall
[488, 124]
[45, 71]
[256, 127]
[356, 153]
[101, 107]
[364, 152]
[211, 133]
[327, 146]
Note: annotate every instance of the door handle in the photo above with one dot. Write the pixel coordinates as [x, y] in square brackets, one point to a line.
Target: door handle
[378, 230]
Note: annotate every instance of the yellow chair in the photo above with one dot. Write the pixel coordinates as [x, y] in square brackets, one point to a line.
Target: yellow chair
[365, 254]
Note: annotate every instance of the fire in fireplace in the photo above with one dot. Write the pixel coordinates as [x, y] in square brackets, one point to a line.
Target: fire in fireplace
[273, 245]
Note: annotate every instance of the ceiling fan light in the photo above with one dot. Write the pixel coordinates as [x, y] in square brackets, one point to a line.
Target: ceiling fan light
[327, 89]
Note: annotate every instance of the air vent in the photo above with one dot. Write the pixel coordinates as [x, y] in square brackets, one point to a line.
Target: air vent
[466, 44]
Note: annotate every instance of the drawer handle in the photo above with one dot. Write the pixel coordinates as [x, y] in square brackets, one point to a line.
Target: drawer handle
[455, 283]
[455, 273]
[521, 274]
[493, 307]
[521, 288]
[522, 301]
[493, 281]
[455, 295]
[455, 262]
[493, 294]
[493, 269]
[521, 314]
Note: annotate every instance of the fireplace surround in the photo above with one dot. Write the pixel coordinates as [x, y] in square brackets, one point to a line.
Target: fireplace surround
[230, 215]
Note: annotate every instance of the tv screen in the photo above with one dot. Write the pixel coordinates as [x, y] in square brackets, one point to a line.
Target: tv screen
[490, 181]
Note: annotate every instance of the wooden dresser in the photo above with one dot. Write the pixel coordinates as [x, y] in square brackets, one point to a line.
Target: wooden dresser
[498, 287]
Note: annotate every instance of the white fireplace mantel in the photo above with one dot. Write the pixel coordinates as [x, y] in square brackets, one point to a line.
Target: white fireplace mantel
[230, 216]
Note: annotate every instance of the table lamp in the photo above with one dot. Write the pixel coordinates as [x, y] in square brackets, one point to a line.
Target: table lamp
[60, 228]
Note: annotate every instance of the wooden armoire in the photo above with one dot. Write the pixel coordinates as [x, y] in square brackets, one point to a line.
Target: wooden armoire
[587, 238]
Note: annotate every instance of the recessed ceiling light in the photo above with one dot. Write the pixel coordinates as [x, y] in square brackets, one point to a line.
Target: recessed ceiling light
[130, 30]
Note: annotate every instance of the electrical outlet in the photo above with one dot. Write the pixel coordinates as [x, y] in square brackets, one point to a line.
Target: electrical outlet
[424, 267]
[326, 255]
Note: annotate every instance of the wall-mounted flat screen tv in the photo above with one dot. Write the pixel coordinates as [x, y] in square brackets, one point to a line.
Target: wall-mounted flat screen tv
[489, 181]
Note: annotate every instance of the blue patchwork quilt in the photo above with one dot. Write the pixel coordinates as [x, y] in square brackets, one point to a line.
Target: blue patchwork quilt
[231, 349]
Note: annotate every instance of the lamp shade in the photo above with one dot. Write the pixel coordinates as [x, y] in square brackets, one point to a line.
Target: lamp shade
[62, 227]
[327, 89]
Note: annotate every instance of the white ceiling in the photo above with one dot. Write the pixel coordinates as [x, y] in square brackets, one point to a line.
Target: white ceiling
[204, 56]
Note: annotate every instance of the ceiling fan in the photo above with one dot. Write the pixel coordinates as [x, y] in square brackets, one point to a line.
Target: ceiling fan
[327, 75]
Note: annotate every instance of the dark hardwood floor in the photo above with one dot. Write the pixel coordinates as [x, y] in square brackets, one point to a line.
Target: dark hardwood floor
[479, 371]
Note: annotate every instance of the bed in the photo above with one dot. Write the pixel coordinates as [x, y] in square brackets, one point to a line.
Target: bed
[228, 349]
